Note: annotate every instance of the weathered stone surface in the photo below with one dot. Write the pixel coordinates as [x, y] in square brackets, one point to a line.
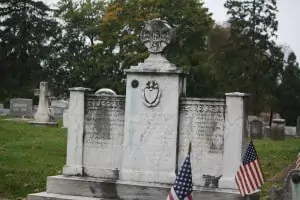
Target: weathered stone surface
[277, 129]
[74, 161]
[235, 136]
[202, 123]
[256, 129]
[151, 126]
[290, 189]
[20, 107]
[103, 138]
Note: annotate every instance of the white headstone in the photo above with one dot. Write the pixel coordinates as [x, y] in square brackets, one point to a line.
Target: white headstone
[42, 114]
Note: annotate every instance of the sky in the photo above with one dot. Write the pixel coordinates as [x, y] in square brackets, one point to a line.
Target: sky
[287, 16]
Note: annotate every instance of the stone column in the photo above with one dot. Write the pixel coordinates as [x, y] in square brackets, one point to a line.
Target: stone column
[234, 137]
[42, 114]
[75, 132]
[153, 91]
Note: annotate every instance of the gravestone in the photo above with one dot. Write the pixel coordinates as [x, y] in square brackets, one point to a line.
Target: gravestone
[105, 91]
[290, 189]
[130, 147]
[256, 129]
[21, 107]
[277, 129]
[43, 116]
[59, 106]
[298, 127]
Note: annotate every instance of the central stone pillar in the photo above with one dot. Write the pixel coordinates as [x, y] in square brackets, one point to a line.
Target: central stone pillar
[153, 90]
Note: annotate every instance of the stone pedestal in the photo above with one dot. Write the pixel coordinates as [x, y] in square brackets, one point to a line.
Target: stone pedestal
[277, 129]
[234, 138]
[151, 123]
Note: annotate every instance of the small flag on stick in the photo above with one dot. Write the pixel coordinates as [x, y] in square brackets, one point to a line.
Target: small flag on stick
[298, 161]
[182, 189]
[249, 177]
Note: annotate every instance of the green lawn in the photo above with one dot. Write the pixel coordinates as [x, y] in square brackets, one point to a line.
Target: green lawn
[29, 154]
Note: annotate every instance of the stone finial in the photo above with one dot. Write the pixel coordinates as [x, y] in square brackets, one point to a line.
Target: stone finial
[156, 35]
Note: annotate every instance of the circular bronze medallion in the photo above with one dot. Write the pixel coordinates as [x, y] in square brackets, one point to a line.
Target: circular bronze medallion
[135, 83]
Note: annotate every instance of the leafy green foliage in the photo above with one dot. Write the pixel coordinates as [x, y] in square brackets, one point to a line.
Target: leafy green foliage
[251, 53]
[289, 91]
[121, 28]
[26, 27]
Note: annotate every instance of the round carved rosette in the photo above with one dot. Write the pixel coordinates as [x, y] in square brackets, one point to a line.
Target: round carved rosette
[156, 35]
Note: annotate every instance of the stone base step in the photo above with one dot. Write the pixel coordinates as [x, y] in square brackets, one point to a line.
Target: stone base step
[51, 196]
[91, 188]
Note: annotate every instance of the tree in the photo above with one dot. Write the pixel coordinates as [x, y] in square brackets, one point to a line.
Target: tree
[123, 22]
[76, 58]
[288, 101]
[26, 28]
[249, 55]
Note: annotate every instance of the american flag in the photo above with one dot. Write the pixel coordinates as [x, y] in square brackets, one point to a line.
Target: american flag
[298, 161]
[249, 177]
[183, 187]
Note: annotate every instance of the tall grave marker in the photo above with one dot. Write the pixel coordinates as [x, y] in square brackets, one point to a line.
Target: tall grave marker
[42, 116]
[153, 90]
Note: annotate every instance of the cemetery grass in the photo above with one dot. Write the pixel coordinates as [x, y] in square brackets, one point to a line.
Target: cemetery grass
[28, 155]
[275, 156]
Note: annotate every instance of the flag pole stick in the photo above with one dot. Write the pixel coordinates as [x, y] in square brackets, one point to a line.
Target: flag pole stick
[190, 148]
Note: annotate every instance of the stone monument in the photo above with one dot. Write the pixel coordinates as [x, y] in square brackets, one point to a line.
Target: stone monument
[130, 147]
[290, 189]
[43, 116]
